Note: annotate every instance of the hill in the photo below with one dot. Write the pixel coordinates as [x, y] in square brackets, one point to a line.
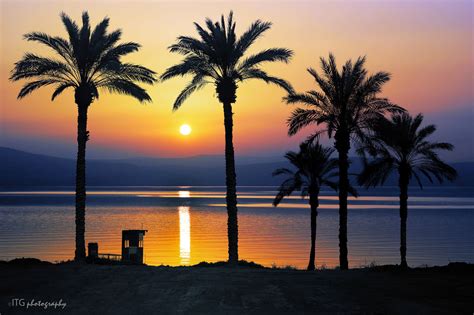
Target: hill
[19, 168]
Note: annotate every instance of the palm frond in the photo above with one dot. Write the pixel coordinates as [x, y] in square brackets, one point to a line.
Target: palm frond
[254, 73]
[376, 172]
[99, 32]
[286, 189]
[268, 55]
[304, 98]
[282, 171]
[197, 83]
[31, 66]
[301, 118]
[33, 85]
[126, 87]
[60, 89]
[191, 65]
[248, 38]
[59, 45]
[73, 32]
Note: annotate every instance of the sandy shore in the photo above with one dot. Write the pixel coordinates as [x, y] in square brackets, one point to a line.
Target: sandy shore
[94, 289]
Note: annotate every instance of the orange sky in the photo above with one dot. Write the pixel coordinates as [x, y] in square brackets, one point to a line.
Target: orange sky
[426, 45]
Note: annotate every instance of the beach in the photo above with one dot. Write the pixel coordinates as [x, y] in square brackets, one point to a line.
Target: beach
[119, 289]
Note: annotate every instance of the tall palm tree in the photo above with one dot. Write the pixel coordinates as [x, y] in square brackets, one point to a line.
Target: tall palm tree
[85, 62]
[347, 105]
[217, 57]
[400, 145]
[314, 168]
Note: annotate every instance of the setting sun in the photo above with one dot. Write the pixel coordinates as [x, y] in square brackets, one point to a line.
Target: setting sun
[185, 130]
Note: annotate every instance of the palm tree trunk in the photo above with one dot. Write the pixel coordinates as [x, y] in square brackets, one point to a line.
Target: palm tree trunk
[314, 203]
[343, 145]
[231, 196]
[83, 102]
[403, 184]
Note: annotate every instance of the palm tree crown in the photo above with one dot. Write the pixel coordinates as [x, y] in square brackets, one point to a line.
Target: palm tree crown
[348, 99]
[314, 168]
[217, 57]
[88, 61]
[400, 144]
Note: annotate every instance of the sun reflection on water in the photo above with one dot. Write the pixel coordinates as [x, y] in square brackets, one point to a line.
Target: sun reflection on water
[184, 194]
[184, 235]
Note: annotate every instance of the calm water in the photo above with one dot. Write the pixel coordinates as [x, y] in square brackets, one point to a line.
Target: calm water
[187, 225]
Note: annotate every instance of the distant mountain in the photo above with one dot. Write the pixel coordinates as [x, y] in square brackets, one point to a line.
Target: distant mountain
[19, 168]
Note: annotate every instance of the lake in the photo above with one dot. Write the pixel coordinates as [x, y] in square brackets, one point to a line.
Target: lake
[187, 225]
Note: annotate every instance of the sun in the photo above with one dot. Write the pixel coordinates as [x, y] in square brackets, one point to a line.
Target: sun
[185, 129]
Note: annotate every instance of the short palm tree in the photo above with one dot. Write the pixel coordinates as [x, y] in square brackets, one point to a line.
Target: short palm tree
[313, 168]
[399, 145]
[347, 105]
[217, 57]
[85, 62]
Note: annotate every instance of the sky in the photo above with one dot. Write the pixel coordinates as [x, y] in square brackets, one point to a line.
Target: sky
[427, 46]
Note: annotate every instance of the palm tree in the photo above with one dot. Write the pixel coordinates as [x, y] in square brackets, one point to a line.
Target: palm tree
[85, 62]
[347, 104]
[217, 57]
[314, 168]
[400, 145]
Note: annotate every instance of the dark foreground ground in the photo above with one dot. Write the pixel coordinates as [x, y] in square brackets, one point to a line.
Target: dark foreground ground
[95, 289]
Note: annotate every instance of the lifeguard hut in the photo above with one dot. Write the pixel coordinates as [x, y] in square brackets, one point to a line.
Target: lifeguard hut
[132, 246]
[93, 250]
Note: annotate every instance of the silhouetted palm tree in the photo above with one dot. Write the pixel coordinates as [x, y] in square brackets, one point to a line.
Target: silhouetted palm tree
[85, 62]
[400, 145]
[314, 168]
[347, 104]
[217, 57]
